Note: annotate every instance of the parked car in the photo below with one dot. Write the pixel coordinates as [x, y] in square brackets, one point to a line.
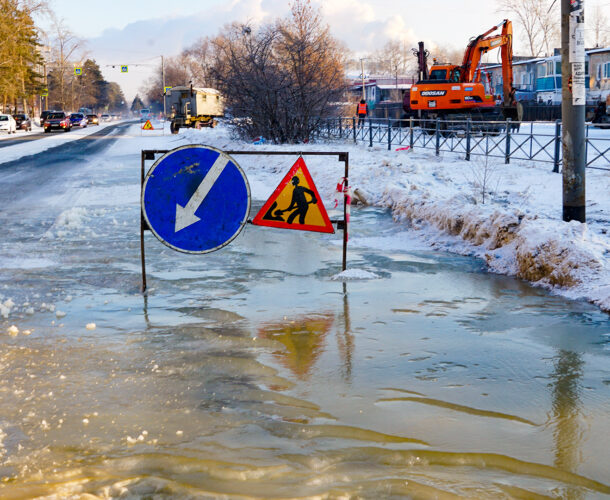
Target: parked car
[8, 124]
[57, 120]
[93, 119]
[78, 120]
[23, 122]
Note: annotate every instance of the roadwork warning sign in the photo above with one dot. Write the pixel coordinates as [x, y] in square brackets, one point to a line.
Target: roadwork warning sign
[295, 204]
[148, 126]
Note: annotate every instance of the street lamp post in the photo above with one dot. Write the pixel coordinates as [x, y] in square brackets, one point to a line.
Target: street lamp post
[362, 75]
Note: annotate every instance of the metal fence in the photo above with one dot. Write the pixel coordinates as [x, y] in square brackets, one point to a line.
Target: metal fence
[533, 141]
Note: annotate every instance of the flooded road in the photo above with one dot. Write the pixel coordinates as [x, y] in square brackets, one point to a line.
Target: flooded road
[251, 373]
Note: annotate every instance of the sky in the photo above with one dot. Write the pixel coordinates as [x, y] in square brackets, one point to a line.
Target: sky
[138, 32]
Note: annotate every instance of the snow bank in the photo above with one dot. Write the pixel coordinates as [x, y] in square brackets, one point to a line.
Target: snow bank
[565, 257]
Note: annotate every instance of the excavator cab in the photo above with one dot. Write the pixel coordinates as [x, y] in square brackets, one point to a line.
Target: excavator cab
[444, 74]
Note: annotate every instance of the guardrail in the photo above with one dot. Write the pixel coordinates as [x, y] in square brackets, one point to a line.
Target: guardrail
[533, 141]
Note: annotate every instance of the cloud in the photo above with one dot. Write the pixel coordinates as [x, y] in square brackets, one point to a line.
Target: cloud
[362, 25]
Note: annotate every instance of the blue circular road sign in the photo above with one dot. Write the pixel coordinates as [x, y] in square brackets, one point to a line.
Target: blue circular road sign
[196, 199]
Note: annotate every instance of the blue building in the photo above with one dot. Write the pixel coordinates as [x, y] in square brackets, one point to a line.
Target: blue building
[536, 79]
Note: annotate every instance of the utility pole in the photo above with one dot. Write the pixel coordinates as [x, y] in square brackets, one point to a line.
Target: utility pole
[573, 109]
[163, 78]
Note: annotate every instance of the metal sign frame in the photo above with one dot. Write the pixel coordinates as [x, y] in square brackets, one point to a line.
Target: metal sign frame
[149, 154]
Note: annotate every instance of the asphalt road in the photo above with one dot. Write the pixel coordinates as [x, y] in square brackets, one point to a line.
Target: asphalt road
[29, 173]
[20, 138]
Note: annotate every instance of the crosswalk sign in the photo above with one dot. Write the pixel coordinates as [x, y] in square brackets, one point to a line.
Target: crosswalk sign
[148, 126]
[124, 69]
[78, 71]
[165, 89]
[295, 204]
[44, 93]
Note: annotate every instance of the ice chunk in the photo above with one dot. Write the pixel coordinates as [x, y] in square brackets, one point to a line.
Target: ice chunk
[354, 274]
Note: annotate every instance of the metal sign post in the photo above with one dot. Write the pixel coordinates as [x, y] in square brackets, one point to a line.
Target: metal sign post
[178, 184]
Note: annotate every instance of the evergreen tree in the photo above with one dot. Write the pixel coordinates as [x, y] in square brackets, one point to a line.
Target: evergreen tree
[19, 56]
[137, 104]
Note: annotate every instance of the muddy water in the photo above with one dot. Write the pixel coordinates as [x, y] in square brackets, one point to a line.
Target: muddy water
[249, 373]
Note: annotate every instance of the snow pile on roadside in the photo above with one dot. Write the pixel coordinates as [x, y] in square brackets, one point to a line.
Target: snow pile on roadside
[548, 253]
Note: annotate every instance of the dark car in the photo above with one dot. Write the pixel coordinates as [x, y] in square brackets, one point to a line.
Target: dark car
[78, 120]
[93, 119]
[23, 122]
[44, 114]
[57, 120]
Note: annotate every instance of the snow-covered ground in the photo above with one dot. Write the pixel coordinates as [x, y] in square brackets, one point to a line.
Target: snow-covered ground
[508, 215]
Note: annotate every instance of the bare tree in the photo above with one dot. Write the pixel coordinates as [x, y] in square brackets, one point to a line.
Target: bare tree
[394, 58]
[539, 20]
[66, 51]
[446, 55]
[198, 59]
[281, 79]
[598, 28]
[177, 72]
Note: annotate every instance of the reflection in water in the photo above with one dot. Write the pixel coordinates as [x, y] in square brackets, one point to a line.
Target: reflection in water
[303, 338]
[566, 413]
[345, 341]
[196, 401]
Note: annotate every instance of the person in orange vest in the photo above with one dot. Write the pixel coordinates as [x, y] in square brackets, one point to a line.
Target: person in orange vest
[362, 110]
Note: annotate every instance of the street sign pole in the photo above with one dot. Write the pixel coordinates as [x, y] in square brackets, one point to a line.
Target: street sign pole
[573, 109]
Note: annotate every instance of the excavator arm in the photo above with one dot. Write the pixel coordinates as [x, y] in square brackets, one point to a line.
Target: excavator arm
[481, 45]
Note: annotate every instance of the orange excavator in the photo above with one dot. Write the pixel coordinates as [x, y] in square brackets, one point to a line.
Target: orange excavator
[452, 92]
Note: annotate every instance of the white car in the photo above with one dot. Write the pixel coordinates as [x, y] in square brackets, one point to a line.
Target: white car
[8, 124]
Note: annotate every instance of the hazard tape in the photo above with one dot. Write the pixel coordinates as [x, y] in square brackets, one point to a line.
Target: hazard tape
[342, 187]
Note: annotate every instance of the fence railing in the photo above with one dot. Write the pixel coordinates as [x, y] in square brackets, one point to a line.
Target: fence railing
[533, 141]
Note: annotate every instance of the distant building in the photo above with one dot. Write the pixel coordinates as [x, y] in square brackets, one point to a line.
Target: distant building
[383, 94]
[539, 79]
[599, 75]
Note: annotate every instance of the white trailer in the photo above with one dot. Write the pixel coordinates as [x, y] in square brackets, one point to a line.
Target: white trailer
[192, 107]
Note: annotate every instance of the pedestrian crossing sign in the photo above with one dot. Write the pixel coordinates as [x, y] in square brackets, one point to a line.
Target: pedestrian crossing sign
[295, 204]
[78, 71]
[124, 69]
[148, 126]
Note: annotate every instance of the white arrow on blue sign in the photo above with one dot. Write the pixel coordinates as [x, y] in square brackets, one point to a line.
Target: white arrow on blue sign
[196, 199]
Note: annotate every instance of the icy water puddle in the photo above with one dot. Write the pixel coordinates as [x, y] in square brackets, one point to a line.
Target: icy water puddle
[249, 373]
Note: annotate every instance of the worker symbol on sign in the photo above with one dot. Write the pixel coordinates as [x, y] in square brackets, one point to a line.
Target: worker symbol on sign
[294, 204]
[299, 204]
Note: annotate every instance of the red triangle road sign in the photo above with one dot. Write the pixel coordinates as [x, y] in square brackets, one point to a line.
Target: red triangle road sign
[295, 204]
[148, 126]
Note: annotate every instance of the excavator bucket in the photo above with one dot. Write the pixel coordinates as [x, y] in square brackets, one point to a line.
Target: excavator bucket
[515, 113]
